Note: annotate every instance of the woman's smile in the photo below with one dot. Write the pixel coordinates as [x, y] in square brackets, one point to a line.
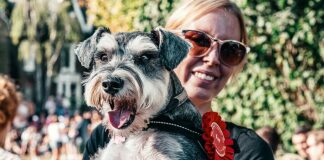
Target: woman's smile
[204, 76]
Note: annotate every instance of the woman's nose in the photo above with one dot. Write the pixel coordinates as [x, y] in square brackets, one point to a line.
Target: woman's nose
[212, 57]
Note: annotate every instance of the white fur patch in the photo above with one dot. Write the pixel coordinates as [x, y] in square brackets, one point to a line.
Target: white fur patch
[156, 91]
[107, 43]
[92, 92]
[141, 44]
[139, 147]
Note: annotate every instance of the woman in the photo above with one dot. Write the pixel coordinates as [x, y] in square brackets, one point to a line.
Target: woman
[9, 101]
[218, 36]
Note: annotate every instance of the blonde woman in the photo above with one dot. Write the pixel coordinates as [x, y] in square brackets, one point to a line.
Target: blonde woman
[9, 101]
[219, 50]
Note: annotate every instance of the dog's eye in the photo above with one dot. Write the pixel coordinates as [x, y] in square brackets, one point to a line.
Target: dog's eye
[145, 57]
[104, 57]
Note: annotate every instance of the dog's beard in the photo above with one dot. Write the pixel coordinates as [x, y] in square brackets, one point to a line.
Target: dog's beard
[130, 109]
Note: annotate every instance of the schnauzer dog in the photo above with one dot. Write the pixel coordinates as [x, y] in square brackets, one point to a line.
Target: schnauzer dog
[145, 108]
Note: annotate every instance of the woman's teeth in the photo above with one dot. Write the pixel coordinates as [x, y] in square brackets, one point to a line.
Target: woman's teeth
[204, 76]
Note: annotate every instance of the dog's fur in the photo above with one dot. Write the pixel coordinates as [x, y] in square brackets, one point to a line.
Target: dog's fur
[132, 77]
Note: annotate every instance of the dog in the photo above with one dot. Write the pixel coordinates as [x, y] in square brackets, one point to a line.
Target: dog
[145, 108]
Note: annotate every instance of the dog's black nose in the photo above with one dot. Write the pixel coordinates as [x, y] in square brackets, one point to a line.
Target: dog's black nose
[112, 85]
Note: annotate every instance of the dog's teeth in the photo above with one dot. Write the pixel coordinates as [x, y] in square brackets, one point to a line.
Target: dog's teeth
[204, 76]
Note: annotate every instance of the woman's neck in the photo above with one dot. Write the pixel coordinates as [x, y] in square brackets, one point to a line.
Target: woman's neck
[203, 107]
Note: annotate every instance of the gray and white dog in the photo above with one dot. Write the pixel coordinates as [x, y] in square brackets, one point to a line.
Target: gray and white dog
[145, 108]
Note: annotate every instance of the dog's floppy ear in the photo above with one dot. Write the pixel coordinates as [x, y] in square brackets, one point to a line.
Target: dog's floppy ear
[85, 50]
[172, 48]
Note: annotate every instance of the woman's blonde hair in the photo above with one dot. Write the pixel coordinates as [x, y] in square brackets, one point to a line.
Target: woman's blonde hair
[192, 10]
[9, 100]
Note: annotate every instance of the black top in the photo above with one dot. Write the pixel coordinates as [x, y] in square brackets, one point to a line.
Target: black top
[247, 144]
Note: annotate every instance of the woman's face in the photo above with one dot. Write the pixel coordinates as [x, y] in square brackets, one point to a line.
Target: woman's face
[204, 77]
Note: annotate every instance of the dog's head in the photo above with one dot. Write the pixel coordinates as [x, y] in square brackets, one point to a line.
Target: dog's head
[130, 75]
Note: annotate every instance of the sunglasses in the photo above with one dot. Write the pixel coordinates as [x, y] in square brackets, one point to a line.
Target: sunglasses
[231, 52]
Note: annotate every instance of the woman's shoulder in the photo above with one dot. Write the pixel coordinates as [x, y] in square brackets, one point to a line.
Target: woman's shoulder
[247, 144]
[237, 131]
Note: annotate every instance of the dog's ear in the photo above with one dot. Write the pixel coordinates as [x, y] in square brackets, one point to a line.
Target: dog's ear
[85, 50]
[173, 49]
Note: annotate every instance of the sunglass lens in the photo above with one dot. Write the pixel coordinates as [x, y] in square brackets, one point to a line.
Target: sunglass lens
[200, 38]
[200, 41]
[232, 53]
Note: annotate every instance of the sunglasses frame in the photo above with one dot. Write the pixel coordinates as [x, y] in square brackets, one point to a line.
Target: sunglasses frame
[213, 40]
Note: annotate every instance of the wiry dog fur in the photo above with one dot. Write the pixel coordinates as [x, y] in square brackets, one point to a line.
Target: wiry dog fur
[132, 77]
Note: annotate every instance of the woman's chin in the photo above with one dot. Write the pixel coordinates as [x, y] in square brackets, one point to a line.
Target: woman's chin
[199, 94]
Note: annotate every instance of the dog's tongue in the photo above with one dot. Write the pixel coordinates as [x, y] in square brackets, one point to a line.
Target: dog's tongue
[118, 118]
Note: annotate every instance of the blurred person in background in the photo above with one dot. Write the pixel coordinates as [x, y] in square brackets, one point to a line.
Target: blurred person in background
[12, 142]
[43, 148]
[84, 129]
[72, 149]
[50, 105]
[299, 139]
[95, 119]
[315, 142]
[54, 130]
[21, 119]
[271, 136]
[61, 109]
[9, 101]
[31, 138]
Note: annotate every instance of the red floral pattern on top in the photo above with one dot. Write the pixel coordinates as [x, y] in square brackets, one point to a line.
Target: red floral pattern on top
[217, 137]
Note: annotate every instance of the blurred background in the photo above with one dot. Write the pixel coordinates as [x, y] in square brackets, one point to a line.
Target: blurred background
[282, 85]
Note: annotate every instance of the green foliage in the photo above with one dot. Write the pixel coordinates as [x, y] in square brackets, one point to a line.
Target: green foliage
[282, 85]
[3, 4]
[154, 13]
[118, 15]
[127, 15]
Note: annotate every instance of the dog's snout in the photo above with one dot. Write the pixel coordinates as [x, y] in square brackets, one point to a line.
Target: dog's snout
[112, 85]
